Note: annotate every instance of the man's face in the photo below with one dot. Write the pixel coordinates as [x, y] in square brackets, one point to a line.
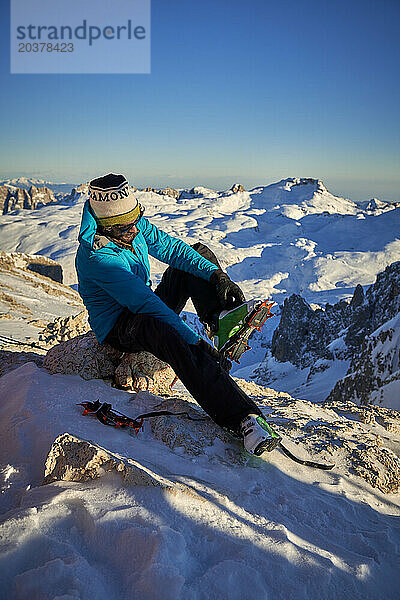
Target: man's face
[125, 233]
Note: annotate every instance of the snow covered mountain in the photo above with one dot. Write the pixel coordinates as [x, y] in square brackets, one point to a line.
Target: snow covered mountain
[26, 182]
[353, 347]
[290, 237]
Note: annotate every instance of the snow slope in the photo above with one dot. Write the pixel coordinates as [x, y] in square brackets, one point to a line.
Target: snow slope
[265, 528]
[291, 236]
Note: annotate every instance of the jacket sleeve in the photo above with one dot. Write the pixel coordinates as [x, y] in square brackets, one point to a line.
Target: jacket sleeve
[129, 290]
[174, 252]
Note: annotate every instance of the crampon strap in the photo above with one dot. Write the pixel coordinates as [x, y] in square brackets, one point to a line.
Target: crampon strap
[108, 416]
[301, 461]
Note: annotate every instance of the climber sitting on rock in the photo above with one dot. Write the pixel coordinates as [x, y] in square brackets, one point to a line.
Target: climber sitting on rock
[114, 281]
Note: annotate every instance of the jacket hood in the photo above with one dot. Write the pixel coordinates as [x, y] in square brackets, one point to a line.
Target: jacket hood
[88, 226]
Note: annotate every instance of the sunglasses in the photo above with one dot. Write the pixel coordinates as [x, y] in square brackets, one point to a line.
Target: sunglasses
[125, 228]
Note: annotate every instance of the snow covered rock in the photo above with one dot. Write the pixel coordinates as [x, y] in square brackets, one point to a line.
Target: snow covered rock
[303, 335]
[194, 437]
[73, 459]
[64, 328]
[31, 296]
[168, 191]
[83, 355]
[237, 187]
[377, 206]
[375, 462]
[374, 372]
[18, 198]
[42, 195]
[366, 441]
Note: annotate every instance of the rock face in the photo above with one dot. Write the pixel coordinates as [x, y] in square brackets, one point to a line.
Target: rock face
[369, 327]
[304, 334]
[64, 328]
[53, 272]
[168, 191]
[83, 355]
[374, 371]
[13, 199]
[237, 187]
[73, 459]
[4, 191]
[33, 262]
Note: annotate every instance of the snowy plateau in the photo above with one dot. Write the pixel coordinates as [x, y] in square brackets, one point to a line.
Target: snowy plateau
[180, 511]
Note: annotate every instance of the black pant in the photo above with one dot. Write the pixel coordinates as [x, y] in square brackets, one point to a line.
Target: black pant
[214, 390]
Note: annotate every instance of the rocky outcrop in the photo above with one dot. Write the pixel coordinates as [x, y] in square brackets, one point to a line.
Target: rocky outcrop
[359, 440]
[193, 437]
[168, 191]
[320, 187]
[73, 459]
[52, 271]
[371, 457]
[41, 196]
[237, 187]
[142, 371]
[83, 355]
[363, 439]
[31, 297]
[33, 262]
[12, 359]
[303, 335]
[4, 191]
[374, 371]
[18, 198]
[64, 328]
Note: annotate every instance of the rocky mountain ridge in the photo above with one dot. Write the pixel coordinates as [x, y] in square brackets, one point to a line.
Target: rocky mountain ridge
[17, 198]
[365, 331]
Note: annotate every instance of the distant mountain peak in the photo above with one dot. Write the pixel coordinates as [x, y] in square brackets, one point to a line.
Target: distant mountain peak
[291, 182]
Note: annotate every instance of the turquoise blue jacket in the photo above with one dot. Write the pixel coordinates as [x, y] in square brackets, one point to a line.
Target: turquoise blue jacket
[111, 278]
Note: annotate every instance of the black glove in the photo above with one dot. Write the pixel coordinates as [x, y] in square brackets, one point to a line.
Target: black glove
[229, 293]
[225, 363]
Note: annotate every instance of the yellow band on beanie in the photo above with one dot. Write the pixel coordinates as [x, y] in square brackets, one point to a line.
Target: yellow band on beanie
[128, 217]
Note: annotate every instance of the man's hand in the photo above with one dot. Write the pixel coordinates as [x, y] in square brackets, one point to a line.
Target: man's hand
[229, 293]
[223, 361]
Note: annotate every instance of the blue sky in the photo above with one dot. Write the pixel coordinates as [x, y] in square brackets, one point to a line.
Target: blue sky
[249, 92]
